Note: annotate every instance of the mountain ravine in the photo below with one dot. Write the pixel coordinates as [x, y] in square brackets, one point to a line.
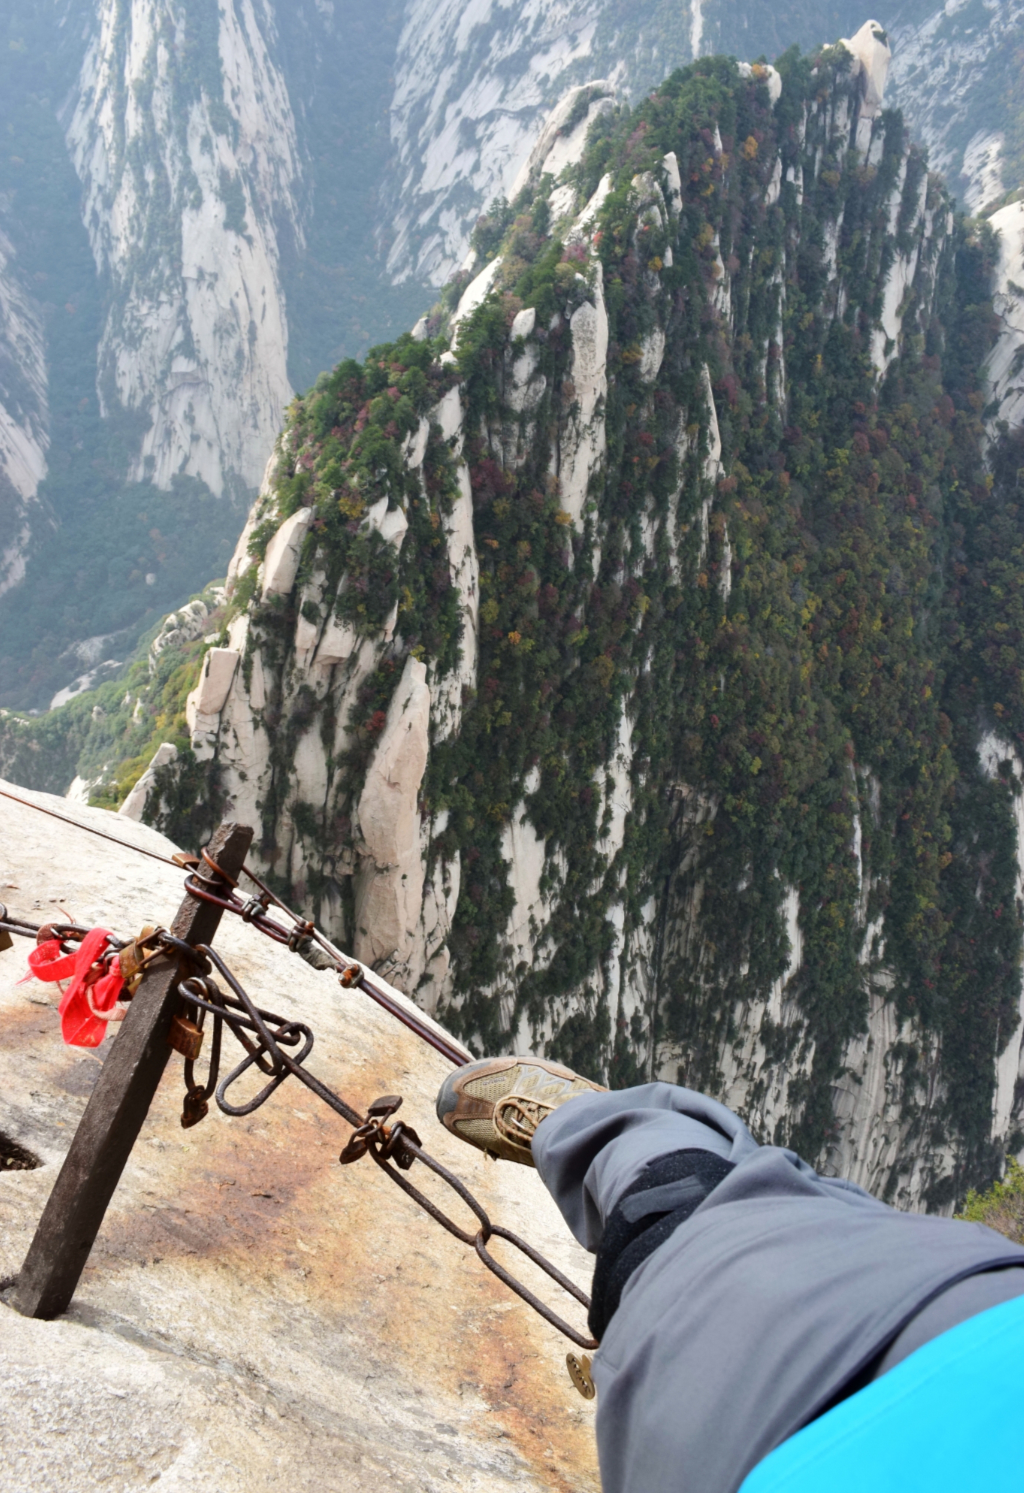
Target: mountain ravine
[625, 664]
[203, 203]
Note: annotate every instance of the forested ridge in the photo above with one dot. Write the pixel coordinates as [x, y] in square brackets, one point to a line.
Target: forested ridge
[797, 647]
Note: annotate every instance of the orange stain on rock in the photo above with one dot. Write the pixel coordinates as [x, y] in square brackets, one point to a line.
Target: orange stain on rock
[265, 1194]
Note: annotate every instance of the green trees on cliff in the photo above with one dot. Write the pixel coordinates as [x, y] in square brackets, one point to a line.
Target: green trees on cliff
[793, 655]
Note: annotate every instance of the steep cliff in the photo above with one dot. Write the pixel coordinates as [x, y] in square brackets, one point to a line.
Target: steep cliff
[208, 204]
[636, 678]
[474, 84]
[164, 384]
[227, 186]
[181, 132]
[24, 415]
[956, 74]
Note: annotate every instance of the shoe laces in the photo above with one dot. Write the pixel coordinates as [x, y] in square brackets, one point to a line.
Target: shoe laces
[516, 1118]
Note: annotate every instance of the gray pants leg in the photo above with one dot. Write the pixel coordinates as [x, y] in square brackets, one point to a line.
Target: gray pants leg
[754, 1314]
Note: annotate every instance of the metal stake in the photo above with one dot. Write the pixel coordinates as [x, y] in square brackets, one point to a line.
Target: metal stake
[116, 1109]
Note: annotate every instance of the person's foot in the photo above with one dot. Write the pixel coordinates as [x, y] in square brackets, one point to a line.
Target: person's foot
[496, 1104]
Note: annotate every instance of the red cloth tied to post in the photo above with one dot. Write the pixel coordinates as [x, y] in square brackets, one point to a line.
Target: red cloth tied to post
[91, 992]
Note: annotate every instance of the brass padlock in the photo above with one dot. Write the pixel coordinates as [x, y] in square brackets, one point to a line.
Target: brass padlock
[579, 1373]
[132, 959]
[6, 941]
[185, 1037]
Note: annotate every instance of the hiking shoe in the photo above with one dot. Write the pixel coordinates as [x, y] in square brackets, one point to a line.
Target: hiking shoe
[496, 1104]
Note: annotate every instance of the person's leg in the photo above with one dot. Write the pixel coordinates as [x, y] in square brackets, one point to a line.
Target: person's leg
[743, 1290]
[590, 1152]
[703, 1325]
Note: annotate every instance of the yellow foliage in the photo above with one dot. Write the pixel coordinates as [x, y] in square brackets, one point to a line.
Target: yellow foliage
[604, 668]
[1002, 1206]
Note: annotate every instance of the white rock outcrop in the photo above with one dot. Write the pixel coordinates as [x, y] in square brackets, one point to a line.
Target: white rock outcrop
[870, 46]
[583, 444]
[1005, 378]
[389, 887]
[284, 552]
[135, 804]
[767, 75]
[241, 559]
[464, 567]
[337, 643]
[205, 703]
[474, 295]
[564, 134]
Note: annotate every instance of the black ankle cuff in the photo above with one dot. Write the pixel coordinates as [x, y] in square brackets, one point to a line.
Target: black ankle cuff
[649, 1212]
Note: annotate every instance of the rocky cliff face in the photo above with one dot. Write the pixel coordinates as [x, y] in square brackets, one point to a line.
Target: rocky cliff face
[249, 221]
[606, 679]
[474, 84]
[24, 415]
[1007, 357]
[182, 135]
[182, 131]
[956, 74]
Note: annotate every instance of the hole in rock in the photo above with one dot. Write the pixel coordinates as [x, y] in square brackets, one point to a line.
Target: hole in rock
[16, 1158]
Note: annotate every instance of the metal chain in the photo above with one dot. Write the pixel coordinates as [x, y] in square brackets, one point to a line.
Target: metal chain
[278, 1047]
[255, 911]
[394, 1147]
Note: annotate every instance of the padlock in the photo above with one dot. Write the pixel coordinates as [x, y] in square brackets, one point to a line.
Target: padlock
[185, 1037]
[194, 1108]
[132, 959]
[6, 941]
[355, 1149]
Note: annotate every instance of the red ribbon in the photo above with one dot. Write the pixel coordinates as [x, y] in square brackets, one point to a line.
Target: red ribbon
[87, 1004]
